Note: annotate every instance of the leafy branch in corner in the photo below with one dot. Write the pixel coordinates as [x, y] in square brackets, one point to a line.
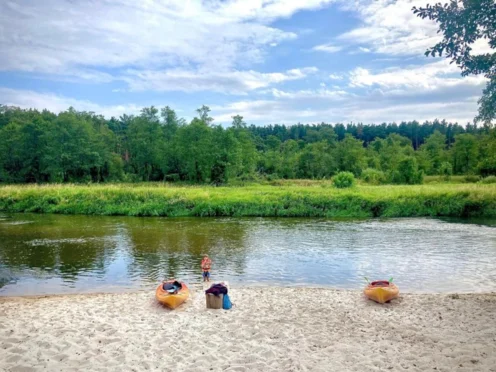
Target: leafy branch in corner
[462, 23]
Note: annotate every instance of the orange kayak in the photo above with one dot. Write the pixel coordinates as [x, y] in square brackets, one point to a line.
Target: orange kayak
[381, 291]
[171, 298]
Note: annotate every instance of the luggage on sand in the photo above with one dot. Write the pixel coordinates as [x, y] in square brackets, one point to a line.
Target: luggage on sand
[226, 302]
[217, 297]
[214, 301]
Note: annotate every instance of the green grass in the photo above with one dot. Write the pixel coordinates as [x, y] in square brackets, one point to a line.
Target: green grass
[283, 199]
[441, 179]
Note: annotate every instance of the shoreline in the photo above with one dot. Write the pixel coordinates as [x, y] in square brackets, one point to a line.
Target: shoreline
[199, 288]
[268, 329]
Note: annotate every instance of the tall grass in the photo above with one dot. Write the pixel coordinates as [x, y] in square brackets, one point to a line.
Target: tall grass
[284, 199]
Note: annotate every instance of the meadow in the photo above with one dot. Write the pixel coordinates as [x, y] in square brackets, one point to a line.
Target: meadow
[303, 198]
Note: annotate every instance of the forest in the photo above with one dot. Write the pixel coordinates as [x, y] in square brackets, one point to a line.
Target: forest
[157, 145]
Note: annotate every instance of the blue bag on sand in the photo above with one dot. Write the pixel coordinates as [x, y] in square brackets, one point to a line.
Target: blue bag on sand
[226, 304]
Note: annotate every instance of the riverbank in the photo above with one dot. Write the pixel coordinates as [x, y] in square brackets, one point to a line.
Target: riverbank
[268, 329]
[313, 199]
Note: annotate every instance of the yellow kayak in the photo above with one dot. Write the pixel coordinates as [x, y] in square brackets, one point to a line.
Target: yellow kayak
[172, 293]
[381, 291]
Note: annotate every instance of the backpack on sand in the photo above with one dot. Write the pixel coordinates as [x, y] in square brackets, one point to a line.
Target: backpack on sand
[226, 304]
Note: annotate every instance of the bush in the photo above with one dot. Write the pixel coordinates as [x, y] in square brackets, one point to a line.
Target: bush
[173, 177]
[407, 172]
[373, 176]
[130, 178]
[343, 180]
[114, 169]
[472, 179]
[446, 170]
[488, 180]
[487, 167]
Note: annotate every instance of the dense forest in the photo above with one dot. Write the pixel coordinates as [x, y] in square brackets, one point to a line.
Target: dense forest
[157, 145]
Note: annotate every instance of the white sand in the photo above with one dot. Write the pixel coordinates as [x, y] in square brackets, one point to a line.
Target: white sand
[269, 329]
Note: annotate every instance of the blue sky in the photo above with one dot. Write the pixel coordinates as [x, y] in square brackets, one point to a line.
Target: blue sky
[272, 61]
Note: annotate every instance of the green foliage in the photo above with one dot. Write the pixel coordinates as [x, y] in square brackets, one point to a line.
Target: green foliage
[145, 145]
[157, 145]
[465, 154]
[195, 149]
[487, 167]
[488, 180]
[373, 176]
[444, 180]
[487, 154]
[351, 155]
[343, 180]
[435, 152]
[462, 23]
[407, 172]
[317, 160]
[203, 115]
[472, 179]
[288, 199]
[389, 151]
[446, 169]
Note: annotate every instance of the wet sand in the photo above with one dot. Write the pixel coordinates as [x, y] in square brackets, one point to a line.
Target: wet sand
[268, 329]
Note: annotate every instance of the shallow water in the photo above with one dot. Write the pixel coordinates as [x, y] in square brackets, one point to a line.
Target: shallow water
[47, 254]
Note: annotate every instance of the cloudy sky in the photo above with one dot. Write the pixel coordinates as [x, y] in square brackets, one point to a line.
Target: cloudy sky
[272, 61]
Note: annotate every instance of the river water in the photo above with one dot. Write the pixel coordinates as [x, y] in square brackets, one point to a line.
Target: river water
[48, 254]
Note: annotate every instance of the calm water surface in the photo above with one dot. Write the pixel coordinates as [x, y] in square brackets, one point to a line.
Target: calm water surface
[45, 254]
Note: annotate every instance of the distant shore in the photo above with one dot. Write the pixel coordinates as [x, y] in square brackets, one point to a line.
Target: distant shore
[292, 199]
[268, 329]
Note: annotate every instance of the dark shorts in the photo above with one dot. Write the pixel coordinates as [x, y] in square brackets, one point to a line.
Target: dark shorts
[206, 274]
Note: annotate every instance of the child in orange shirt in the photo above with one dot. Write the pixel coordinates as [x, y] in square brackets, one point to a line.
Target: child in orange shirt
[206, 264]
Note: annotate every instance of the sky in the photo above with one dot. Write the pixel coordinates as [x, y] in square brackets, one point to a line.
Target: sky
[271, 61]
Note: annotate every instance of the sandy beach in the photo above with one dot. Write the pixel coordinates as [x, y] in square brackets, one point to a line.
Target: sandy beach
[268, 329]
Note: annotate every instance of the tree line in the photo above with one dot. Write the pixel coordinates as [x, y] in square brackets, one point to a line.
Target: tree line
[157, 145]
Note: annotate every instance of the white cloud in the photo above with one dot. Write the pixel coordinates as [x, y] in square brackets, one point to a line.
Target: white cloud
[366, 109]
[160, 45]
[56, 103]
[421, 92]
[322, 93]
[461, 111]
[265, 9]
[482, 46]
[286, 106]
[234, 82]
[431, 76]
[311, 106]
[390, 27]
[72, 38]
[266, 111]
[201, 46]
[328, 48]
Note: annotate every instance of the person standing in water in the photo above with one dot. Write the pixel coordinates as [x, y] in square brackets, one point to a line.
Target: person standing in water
[206, 264]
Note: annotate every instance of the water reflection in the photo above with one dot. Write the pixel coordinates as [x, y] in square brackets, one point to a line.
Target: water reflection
[59, 254]
[66, 247]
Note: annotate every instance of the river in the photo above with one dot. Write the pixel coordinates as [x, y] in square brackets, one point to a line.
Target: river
[52, 254]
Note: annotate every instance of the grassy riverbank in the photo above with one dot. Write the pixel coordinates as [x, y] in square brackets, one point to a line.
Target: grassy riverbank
[287, 199]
